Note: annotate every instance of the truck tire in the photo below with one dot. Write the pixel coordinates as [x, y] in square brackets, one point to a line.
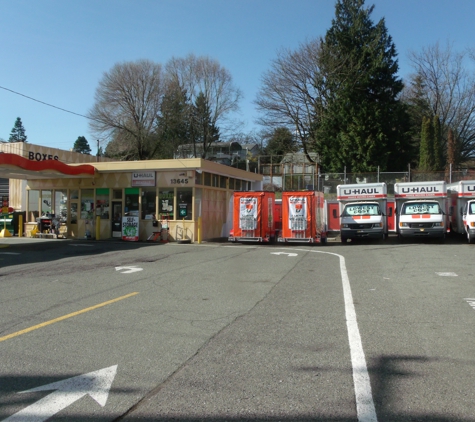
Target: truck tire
[343, 240]
[470, 238]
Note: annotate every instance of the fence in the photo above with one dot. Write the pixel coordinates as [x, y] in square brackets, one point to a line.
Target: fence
[303, 176]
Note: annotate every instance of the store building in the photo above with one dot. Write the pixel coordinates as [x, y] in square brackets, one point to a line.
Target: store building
[189, 197]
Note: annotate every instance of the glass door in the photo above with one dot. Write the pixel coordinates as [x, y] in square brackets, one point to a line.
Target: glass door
[116, 219]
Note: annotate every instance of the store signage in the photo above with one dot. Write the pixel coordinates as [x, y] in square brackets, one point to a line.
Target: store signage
[183, 210]
[38, 156]
[176, 178]
[143, 178]
[130, 229]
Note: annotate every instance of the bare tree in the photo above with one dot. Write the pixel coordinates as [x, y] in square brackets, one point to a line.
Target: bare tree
[291, 92]
[204, 75]
[449, 90]
[127, 105]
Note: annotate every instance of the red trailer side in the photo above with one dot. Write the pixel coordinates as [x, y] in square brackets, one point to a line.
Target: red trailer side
[303, 217]
[253, 217]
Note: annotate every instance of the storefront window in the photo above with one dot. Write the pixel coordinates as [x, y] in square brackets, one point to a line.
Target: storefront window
[222, 182]
[61, 205]
[117, 194]
[33, 208]
[198, 177]
[46, 202]
[102, 203]
[165, 204]
[149, 196]
[131, 208]
[184, 201]
[87, 204]
[207, 179]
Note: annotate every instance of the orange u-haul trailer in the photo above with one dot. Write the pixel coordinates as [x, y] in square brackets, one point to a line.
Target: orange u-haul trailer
[303, 217]
[253, 217]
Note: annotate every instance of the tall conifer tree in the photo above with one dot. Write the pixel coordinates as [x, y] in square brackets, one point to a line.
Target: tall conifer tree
[363, 125]
[18, 132]
[437, 146]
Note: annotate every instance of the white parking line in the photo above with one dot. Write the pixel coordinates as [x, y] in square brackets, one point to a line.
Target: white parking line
[365, 409]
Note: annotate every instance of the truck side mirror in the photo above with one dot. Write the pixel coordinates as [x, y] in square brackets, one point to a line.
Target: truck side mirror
[334, 214]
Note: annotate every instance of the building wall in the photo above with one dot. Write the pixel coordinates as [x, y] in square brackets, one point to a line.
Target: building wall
[41, 153]
[208, 215]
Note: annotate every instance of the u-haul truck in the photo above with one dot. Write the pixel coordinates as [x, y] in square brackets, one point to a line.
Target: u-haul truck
[422, 209]
[303, 217]
[362, 209]
[462, 208]
[253, 217]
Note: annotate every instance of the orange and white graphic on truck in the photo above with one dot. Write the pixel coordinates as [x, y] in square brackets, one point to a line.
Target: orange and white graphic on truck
[248, 213]
[298, 213]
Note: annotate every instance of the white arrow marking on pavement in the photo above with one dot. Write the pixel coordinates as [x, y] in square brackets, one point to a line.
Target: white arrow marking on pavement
[9, 253]
[97, 384]
[80, 244]
[284, 253]
[129, 269]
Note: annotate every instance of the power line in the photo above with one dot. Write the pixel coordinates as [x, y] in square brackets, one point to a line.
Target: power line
[49, 105]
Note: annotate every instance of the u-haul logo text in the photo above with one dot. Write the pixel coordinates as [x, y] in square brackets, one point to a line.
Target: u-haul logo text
[361, 191]
[421, 189]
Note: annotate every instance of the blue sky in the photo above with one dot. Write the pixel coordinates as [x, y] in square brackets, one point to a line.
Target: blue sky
[56, 51]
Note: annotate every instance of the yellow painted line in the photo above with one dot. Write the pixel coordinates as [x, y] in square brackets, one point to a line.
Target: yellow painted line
[4, 246]
[62, 318]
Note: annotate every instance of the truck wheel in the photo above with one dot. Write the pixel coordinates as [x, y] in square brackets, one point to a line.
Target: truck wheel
[343, 240]
[470, 237]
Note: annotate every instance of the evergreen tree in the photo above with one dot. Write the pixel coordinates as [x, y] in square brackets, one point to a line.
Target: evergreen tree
[418, 107]
[437, 145]
[280, 142]
[81, 145]
[425, 152]
[204, 130]
[18, 132]
[453, 154]
[362, 124]
[173, 122]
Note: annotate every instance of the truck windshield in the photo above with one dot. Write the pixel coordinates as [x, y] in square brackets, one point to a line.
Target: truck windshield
[361, 209]
[471, 209]
[421, 208]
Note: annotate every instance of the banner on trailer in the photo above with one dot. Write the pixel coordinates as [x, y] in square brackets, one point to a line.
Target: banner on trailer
[298, 210]
[130, 229]
[248, 213]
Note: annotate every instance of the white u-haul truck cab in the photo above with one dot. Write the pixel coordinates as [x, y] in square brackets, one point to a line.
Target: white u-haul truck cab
[422, 210]
[462, 208]
[362, 209]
